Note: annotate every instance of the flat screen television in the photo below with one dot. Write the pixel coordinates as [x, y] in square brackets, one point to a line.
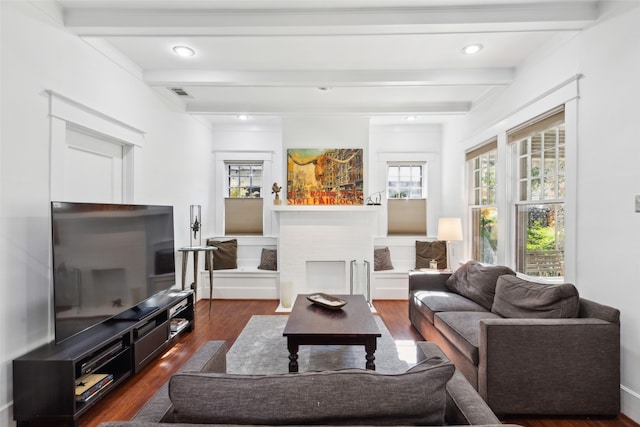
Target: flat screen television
[107, 260]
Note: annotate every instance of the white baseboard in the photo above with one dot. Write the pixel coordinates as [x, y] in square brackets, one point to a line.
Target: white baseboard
[630, 403]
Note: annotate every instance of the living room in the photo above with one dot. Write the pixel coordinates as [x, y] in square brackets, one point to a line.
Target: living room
[52, 78]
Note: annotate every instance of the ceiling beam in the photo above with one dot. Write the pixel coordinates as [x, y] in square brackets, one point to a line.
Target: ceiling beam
[426, 108]
[337, 78]
[114, 21]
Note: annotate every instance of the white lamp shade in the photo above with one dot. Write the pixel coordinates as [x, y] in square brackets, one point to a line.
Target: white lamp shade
[450, 229]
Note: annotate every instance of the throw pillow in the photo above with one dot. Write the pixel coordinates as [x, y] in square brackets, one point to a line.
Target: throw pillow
[340, 397]
[426, 251]
[268, 259]
[226, 257]
[382, 259]
[520, 298]
[477, 281]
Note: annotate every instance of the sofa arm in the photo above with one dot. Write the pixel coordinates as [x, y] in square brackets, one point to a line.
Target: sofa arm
[211, 357]
[428, 281]
[464, 404]
[550, 366]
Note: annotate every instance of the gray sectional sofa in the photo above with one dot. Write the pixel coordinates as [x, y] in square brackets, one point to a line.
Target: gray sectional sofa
[527, 347]
[433, 392]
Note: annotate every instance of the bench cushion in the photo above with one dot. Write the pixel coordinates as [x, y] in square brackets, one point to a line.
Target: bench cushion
[518, 298]
[342, 397]
[462, 329]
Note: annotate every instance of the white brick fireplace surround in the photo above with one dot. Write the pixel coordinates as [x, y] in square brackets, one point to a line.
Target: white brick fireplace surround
[316, 245]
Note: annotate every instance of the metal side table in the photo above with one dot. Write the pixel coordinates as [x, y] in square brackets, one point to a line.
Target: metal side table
[208, 251]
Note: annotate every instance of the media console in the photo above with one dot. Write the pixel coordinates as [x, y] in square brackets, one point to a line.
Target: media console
[45, 379]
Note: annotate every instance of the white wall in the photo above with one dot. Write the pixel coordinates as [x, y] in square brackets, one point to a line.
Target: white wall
[39, 55]
[605, 122]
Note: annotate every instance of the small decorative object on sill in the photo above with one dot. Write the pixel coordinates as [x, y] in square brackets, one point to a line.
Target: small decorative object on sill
[374, 199]
[195, 219]
[433, 264]
[275, 189]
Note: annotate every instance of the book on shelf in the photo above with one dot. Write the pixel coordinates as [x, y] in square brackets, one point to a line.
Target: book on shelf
[177, 324]
[88, 385]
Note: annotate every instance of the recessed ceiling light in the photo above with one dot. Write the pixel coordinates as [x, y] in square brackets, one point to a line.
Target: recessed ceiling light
[242, 117]
[411, 118]
[472, 48]
[183, 51]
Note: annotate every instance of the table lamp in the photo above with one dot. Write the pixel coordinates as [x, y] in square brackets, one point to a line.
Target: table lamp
[449, 230]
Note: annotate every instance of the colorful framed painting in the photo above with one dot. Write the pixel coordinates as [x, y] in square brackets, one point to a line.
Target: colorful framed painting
[325, 176]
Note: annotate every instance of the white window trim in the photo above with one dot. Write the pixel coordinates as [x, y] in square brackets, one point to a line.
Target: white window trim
[220, 159]
[433, 188]
[567, 93]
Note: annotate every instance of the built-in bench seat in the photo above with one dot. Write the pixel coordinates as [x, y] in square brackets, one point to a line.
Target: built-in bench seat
[247, 281]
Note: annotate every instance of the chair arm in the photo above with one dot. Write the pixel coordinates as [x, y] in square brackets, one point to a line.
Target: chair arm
[426, 281]
[464, 404]
[211, 357]
[550, 366]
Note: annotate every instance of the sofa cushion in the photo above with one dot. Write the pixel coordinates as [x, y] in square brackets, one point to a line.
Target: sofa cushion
[226, 257]
[382, 259]
[462, 329]
[268, 259]
[342, 397]
[433, 302]
[477, 281]
[426, 251]
[520, 298]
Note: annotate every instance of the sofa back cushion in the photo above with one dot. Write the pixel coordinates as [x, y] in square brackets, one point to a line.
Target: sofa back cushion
[477, 281]
[342, 397]
[519, 298]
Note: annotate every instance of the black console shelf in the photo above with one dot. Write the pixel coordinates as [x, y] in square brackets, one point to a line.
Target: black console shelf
[44, 380]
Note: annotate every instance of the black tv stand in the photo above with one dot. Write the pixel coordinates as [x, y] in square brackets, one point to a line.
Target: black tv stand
[44, 379]
[137, 313]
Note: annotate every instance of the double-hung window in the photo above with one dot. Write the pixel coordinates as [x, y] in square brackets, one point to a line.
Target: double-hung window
[406, 197]
[243, 202]
[483, 213]
[539, 151]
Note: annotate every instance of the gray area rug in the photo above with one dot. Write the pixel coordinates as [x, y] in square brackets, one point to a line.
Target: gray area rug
[261, 349]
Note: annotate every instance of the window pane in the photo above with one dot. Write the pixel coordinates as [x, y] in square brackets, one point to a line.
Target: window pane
[485, 234]
[550, 187]
[550, 162]
[524, 167]
[536, 189]
[540, 240]
[524, 191]
[536, 164]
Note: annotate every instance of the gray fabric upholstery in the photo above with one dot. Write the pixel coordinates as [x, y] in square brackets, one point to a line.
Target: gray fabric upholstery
[435, 302]
[477, 281]
[462, 328]
[350, 396]
[516, 297]
[539, 366]
[463, 405]
[211, 357]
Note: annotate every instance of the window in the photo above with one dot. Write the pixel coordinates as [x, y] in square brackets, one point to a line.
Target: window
[405, 181]
[482, 202]
[244, 180]
[539, 150]
[407, 205]
[243, 205]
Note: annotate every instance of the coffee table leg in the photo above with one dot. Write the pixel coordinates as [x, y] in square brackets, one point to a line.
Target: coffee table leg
[293, 355]
[370, 348]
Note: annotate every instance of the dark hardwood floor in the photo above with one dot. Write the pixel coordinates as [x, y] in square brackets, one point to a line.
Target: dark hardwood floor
[226, 320]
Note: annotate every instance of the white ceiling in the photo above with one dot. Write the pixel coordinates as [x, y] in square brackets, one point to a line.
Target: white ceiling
[385, 59]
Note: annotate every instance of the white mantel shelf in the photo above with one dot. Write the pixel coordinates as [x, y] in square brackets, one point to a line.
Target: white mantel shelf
[326, 208]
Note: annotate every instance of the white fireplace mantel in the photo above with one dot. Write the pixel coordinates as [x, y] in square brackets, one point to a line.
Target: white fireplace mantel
[317, 243]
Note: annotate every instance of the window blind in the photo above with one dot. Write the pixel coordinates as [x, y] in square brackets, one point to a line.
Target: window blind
[536, 125]
[407, 217]
[242, 216]
[485, 147]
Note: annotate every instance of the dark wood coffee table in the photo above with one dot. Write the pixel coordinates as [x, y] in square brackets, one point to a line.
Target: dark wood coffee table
[310, 324]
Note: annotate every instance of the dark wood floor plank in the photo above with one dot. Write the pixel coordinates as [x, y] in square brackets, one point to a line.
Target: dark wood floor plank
[226, 321]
